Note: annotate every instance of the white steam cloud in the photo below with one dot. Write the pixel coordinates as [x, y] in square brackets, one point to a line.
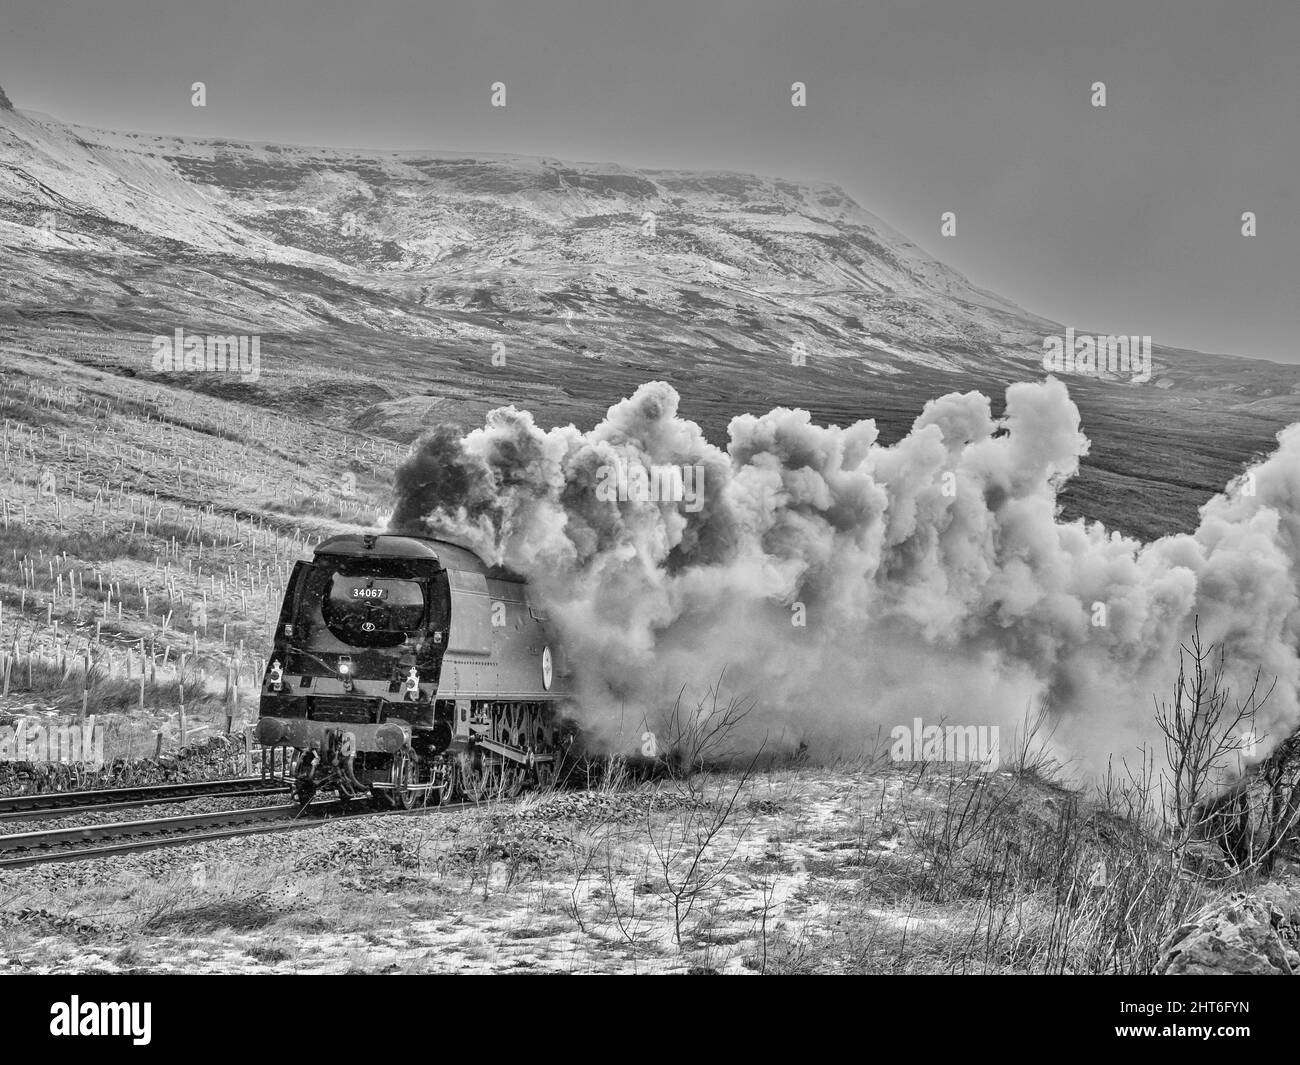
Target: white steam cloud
[934, 576]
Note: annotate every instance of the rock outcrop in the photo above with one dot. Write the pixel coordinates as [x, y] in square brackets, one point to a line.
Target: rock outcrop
[214, 758]
[1254, 822]
[1247, 934]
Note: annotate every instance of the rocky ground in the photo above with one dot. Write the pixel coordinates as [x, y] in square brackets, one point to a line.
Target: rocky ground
[215, 758]
[1246, 934]
[894, 869]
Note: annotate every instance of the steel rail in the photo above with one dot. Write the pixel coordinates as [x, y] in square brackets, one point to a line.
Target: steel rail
[98, 841]
[145, 795]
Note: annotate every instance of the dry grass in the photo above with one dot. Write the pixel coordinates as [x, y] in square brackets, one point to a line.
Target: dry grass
[902, 870]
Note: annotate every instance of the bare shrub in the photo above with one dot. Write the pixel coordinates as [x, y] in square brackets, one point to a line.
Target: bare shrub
[687, 739]
[1031, 743]
[692, 849]
[1204, 729]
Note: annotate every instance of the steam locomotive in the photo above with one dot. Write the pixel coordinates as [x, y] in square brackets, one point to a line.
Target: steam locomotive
[405, 667]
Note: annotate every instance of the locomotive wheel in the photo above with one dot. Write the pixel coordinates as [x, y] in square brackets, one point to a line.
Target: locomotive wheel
[444, 783]
[482, 782]
[303, 790]
[401, 775]
[304, 786]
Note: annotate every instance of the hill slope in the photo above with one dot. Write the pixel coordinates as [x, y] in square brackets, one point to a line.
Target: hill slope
[414, 284]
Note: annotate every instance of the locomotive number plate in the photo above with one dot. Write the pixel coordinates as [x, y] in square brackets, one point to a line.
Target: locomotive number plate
[369, 593]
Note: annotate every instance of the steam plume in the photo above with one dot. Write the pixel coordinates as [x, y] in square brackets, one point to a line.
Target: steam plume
[934, 576]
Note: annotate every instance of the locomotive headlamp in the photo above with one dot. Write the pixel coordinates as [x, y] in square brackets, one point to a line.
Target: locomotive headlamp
[411, 690]
[275, 676]
[345, 671]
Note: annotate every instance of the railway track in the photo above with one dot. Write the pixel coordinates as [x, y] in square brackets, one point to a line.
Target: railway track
[124, 837]
[69, 803]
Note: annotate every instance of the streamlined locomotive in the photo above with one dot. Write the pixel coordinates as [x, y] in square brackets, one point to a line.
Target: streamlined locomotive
[405, 666]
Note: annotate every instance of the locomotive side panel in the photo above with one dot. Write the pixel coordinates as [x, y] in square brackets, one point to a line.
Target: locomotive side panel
[500, 648]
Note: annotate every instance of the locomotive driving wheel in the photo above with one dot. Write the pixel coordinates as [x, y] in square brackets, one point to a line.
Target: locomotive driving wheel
[444, 782]
[402, 774]
[482, 782]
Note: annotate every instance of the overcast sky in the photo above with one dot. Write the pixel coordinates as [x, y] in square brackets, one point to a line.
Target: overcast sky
[1125, 219]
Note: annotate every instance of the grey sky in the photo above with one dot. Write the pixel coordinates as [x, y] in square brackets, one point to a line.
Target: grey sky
[1126, 219]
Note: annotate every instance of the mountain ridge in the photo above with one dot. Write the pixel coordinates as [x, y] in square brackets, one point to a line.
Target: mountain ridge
[410, 284]
[342, 210]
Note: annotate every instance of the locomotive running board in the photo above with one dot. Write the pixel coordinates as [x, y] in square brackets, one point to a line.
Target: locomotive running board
[513, 753]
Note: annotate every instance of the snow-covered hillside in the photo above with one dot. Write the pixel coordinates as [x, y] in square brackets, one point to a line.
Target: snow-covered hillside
[479, 247]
